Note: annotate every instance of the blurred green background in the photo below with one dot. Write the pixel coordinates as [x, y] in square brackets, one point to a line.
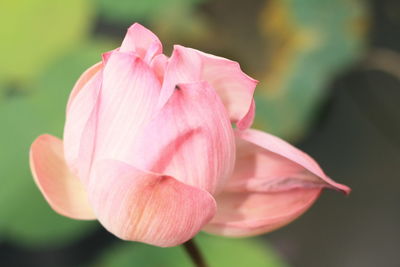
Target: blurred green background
[329, 83]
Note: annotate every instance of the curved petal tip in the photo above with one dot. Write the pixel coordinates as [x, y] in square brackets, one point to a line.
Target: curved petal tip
[147, 207]
[62, 189]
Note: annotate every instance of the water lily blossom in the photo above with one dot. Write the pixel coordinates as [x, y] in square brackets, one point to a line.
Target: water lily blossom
[149, 150]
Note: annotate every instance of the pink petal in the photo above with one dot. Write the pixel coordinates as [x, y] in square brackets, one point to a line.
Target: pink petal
[147, 207]
[248, 118]
[182, 67]
[60, 187]
[142, 42]
[83, 80]
[105, 56]
[248, 214]
[129, 96]
[282, 161]
[235, 88]
[82, 106]
[190, 139]
[159, 64]
[273, 184]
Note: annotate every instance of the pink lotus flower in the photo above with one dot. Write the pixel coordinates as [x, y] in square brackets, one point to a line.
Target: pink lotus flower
[149, 150]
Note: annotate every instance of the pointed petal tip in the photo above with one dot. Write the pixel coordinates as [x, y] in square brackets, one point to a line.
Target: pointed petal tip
[142, 41]
[255, 81]
[344, 189]
[105, 56]
[283, 149]
[137, 26]
[178, 47]
[179, 51]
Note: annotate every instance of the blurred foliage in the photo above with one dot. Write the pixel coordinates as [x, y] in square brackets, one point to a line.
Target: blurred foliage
[33, 33]
[218, 252]
[172, 20]
[310, 42]
[150, 10]
[47, 44]
[24, 214]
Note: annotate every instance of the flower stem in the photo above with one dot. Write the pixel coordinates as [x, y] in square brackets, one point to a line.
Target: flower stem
[194, 253]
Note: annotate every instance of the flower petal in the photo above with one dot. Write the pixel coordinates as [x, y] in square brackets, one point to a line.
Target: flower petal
[235, 88]
[190, 139]
[129, 96]
[249, 214]
[182, 67]
[83, 80]
[60, 187]
[82, 106]
[147, 207]
[280, 163]
[142, 42]
[159, 64]
[273, 184]
[248, 118]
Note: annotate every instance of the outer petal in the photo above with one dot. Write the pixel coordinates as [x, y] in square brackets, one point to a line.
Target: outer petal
[83, 80]
[142, 42]
[60, 187]
[273, 184]
[81, 107]
[190, 139]
[235, 88]
[129, 96]
[148, 207]
[277, 163]
[247, 214]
